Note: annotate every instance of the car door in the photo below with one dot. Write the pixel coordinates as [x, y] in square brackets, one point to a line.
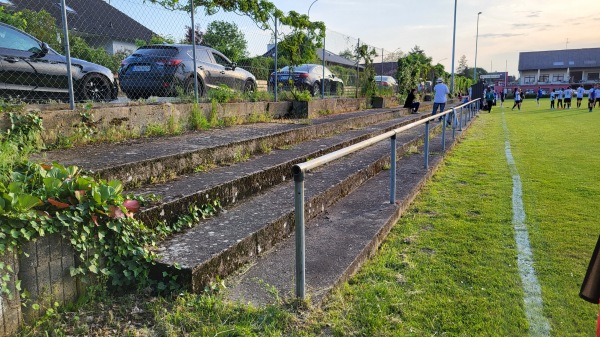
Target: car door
[229, 76]
[212, 72]
[17, 74]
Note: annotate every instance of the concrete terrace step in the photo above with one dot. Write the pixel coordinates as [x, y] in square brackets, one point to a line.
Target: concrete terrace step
[218, 246]
[340, 239]
[233, 183]
[143, 161]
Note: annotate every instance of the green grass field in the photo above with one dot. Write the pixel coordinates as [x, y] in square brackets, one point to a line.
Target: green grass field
[449, 268]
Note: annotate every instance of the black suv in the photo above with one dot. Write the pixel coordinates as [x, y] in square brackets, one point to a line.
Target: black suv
[31, 70]
[168, 69]
[308, 77]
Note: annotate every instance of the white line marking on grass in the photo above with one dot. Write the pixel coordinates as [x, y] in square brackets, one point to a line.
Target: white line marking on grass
[538, 324]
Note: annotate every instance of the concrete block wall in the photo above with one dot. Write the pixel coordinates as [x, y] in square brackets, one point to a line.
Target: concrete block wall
[43, 268]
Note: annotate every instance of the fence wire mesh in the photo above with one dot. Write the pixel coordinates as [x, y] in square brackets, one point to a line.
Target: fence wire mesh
[132, 49]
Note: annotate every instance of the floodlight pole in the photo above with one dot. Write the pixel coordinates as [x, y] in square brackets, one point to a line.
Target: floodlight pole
[453, 49]
[476, 39]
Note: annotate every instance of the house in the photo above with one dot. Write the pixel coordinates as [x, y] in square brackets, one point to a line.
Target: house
[554, 68]
[97, 22]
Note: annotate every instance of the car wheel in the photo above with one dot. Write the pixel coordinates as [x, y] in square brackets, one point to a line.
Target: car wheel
[95, 87]
[189, 87]
[316, 89]
[249, 86]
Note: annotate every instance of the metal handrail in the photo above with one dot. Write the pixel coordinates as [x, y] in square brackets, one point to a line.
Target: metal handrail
[299, 171]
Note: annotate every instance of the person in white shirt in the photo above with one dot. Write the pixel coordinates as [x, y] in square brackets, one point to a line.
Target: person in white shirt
[441, 96]
[568, 93]
[580, 92]
[559, 99]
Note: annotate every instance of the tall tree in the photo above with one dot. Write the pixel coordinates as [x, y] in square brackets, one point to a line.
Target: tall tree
[393, 56]
[226, 38]
[462, 65]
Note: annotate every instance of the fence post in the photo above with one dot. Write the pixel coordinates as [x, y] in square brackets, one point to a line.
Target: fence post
[460, 121]
[275, 72]
[444, 122]
[68, 54]
[323, 80]
[300, 243]
[454, 122]
[427, 144]
[393, 169]
[193, 35]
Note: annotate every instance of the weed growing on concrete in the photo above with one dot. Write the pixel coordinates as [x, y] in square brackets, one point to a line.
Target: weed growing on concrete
[174, 126]
[153, 129]
[197, 120]
[265, 147]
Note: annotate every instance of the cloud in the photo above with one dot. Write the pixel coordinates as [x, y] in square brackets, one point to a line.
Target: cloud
[500, 35]
[534, 14]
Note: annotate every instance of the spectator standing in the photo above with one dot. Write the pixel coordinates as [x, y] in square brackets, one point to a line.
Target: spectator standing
[591, 97]
[552, 98]
[580, 92]
[489, 99]
[517, 99]
[559, 98]
[538, 95]
[441, 96]
[568, 95]
[410, 101]
[502, 97]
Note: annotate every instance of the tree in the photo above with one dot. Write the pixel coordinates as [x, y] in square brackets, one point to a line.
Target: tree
[462, 65]
[348, 54]
[366, 54]
[197, 33]
[393, 56]
[226, 38]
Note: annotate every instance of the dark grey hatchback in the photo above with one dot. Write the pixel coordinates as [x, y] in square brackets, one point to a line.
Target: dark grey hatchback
[31, 70]
[168, 70]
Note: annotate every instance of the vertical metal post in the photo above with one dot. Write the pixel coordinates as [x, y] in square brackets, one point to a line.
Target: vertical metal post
[393, 169]
[444, 122]
[460, 121]
[454, 122]
[357, 71]
[453, 48]
[300, 243]
[323, 81]
[194, 51]
[275, 73]
[68, 54]
[427, 144]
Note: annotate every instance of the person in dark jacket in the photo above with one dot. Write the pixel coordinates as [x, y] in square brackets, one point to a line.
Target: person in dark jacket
[410, 101]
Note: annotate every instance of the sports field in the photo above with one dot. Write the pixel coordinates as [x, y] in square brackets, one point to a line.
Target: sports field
[498, 243]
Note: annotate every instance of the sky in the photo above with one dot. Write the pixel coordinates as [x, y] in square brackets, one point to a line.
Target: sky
[505, 28]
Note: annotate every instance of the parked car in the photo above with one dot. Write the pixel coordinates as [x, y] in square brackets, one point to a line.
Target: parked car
[386, 82]
[168, 69]
[308, 77]
[31, 70]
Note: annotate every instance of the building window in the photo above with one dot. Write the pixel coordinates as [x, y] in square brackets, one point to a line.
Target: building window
[529, 79]
[544, 78]
[593, 76]
[558, 78]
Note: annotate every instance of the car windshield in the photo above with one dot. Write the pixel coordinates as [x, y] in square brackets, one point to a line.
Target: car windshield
[156, 51]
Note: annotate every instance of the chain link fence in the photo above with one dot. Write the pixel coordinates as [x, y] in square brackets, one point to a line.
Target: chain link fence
[119, 50]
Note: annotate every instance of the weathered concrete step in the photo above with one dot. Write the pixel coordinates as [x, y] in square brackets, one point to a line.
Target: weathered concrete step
[218, 246]
[141, 161]
[341, 239]
[230, 184]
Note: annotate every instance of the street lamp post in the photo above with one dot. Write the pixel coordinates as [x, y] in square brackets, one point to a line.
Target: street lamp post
[476, 38]
[308, 14]
[453, 48]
